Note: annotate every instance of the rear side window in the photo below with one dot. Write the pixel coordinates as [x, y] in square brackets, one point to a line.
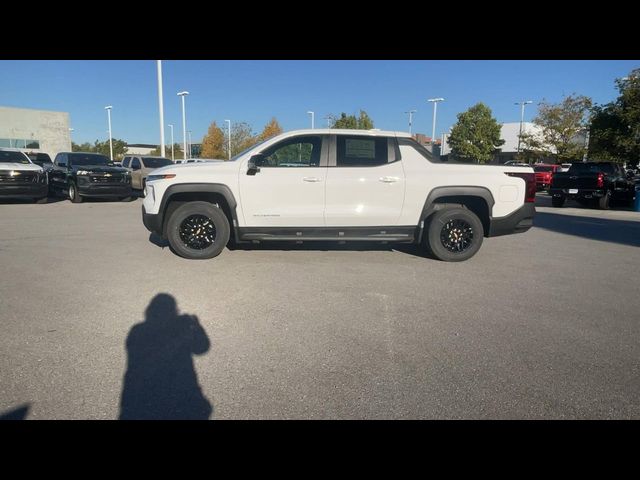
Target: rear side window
[403, 141]
[360, 151]
[135, 163]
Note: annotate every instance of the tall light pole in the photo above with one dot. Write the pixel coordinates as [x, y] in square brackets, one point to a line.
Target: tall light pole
[184, 123]
[161, 106]
[312, 119]
[108, 109]
[410, 112]
[228, 138]
[189, 133]
[435, 109]
[522, 104]
[173, 158]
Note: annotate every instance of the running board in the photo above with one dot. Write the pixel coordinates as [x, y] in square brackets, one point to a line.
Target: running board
[346, 234]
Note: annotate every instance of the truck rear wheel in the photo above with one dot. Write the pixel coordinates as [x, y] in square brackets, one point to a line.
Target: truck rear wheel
[198, 230]
[454, 234]
[557, 201]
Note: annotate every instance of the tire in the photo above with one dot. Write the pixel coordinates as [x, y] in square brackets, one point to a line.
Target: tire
[197, 214]
[442, 239]
[558, 201]
[73, 193]
[604, 202]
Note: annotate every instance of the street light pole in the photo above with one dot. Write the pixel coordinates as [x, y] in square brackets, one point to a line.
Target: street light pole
[184, 123]
[161, 106]
[312, 119]
[189, 133]
[173, 158]
[228, 138]
[522, 104]
[410, 112]
[435, 109]
[108, 109]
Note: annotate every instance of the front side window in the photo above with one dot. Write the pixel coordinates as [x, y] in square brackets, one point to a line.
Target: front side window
[126, 161]
[358, 151]
[135, 164]
[294, 152]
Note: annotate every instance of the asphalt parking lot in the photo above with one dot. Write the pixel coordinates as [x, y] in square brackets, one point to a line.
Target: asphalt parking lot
[544, 324]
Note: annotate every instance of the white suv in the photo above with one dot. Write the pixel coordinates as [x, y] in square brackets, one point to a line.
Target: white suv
[338, 185]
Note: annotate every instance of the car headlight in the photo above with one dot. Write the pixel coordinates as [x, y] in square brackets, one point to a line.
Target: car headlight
[83, 172]
[152, 178]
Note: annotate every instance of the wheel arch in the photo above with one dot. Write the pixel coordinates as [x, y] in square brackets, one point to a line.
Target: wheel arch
[477, 199]
[216, 193]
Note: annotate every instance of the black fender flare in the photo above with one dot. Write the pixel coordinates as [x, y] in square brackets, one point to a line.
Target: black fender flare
[220, 188]
[430, 205]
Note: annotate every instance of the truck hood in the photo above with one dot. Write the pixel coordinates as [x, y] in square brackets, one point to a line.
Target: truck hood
[195, 168]
[98, 169]
[23, 167]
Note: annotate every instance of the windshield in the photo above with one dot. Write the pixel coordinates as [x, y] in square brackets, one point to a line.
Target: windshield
[543, 169]
[238, 155]
[155, 162]
[13, 157]
[591, 168]
[84, 159]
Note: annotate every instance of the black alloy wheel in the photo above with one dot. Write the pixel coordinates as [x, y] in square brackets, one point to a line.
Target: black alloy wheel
[197, 232]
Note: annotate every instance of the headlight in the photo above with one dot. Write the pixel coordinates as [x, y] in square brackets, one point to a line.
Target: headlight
[83, 172]
[152, 178]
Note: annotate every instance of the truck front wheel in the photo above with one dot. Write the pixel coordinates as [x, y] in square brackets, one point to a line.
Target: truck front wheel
[454, 234]
[198, 230]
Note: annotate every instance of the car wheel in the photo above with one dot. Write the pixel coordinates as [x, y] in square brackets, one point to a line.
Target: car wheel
[74, 196]
[198, 230]
[604, 202]
[454, 234]
[558, 201]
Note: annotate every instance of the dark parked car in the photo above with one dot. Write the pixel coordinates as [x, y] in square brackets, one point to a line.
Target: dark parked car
[42, 159]
[80, 175]
[21, 178]
[600, 182]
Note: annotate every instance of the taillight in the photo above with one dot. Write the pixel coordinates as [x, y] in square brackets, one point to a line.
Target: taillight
[530, 184]
[600, 180]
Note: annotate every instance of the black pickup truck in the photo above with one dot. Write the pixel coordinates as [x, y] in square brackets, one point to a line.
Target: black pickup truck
[80, 174]
[598, 182]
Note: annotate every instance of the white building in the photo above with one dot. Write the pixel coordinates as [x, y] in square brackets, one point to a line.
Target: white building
[140, 148]
[35, 130]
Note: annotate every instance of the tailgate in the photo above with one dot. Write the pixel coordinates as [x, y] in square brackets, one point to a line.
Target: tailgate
[565, 180]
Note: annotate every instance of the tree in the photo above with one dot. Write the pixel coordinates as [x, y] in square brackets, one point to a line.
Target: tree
[119, 148]
[84, 147]
[213, 143]
[561, 128]
[476, 135]
[362, 122]
[270, 130]
[614, 133]
[241, 138]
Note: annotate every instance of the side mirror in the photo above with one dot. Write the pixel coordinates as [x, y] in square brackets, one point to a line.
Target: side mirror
[254, 163]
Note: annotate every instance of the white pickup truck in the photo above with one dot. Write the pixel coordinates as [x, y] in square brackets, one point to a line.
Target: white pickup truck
[337, 185]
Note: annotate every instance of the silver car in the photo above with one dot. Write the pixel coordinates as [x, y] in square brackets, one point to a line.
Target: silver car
[140, 166]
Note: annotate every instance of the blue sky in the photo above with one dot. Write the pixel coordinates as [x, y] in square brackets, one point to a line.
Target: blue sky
[255, 91]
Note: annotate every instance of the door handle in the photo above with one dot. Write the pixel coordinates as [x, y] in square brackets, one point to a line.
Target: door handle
[389, 179]
[311, 179]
